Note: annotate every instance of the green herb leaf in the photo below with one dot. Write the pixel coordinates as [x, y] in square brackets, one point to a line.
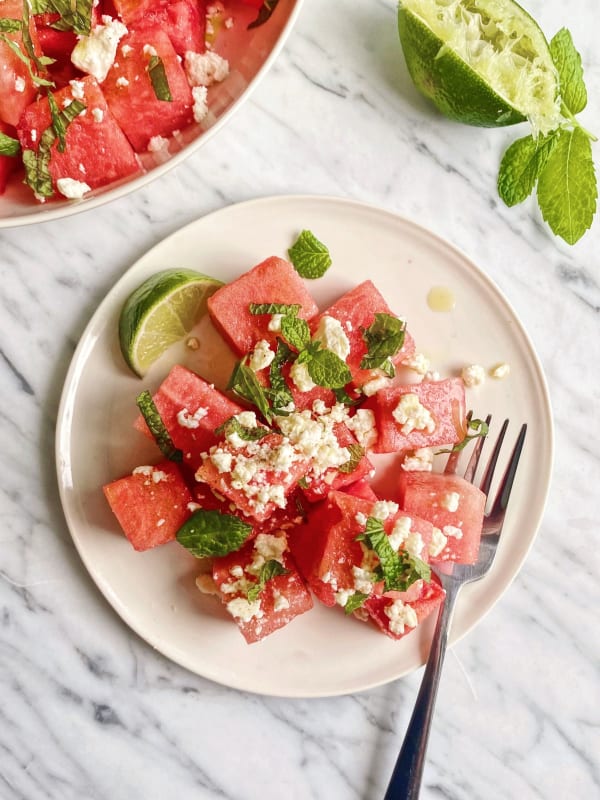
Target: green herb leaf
[354, 602]
[275, 308]
[480, 430]
[233, 425]
[9, 146]
[567, 189]
[384, 338]
[40, 61]
[270, 569]
[295, 331]
[8, 25]
[211, 534]
[153, 420]
[309, 256]
[303, 483]
[244, 383]
[264, 14]
[521, 166]
[329, 370]
[37, 80]
[75, 15]
[570, 72]
[356, 454]
[158, 78]
[279, 393]
[397, 570]
[342, 396]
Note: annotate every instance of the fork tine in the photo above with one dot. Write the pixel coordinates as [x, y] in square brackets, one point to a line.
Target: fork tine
[476, 454]
[452, 463]
[505, 487]
[491, 466]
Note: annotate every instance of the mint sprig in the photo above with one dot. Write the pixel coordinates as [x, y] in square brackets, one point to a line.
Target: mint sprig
[233, 425]
[296, 332]
[279, 392]
[309, 256]
[244, 383]
[291, 309]
[479, 428]
[268, 571]
[9, 25]
[560, 163]
[159, 80]
[398, 570]
[209, 534]
[157, 427]
[384, 338]
[355, 601]
[9, 146]
[356, 452]
[75, 15]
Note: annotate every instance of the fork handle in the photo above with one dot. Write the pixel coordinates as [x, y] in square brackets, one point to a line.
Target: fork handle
[405, 783]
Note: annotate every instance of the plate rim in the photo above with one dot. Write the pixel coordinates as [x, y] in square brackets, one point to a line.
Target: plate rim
[62, 423]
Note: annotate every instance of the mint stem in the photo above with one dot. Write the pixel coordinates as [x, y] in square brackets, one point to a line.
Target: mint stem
[573, 119]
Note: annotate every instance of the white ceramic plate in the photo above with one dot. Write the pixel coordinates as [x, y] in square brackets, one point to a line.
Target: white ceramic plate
[321, 653]
[250, 55]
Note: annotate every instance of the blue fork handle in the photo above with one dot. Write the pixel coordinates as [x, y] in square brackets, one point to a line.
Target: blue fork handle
[405, 783]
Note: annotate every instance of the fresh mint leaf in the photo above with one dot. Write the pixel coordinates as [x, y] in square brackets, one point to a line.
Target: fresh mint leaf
[8, 25]
[384, 338]
[37, 80]
[342, 396]
[567, 188]
[356, 453]
[279, 392]
[212, 534]
[268, 571]
[398, 570]
[158, 79]
[157, 427]
[8, 145]
[244, 383]
[521, 166]
[233, 425]
[75, 15]
[41, 62]
[570, 71]
[328, 370]
[480, 430]
[275, 308]
[309, 256]
[354, 602]
[264, 14]
[295, 331]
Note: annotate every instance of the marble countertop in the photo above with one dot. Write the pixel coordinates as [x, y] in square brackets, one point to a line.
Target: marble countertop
[89, 711]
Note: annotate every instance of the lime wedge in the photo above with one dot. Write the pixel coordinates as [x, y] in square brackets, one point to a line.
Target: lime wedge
[482, 62]
[161, 312]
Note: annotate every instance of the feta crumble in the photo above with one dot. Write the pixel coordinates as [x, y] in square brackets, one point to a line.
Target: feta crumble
[200, 109]
[275, 322]
[500, 371]
[97, 114]
[261, 357]
[401, 616]
[412, 415]
[280, 601]
[452, 531]
[96, 53]
[191, 421]
[301, 378]
[450, 501]
[438, 542]
[242, 609]
[72, 189]
[383, 509]
[20, 84]
[419, 460]
[204, 69]
[77, 89]
[332, 337]
[158, 144]
[122, 81]
[473, 375]
[418, 363]
[362, 425]
[373, 386]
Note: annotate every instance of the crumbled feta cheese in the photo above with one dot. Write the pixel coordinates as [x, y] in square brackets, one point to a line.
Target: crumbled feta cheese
[412, 415]
[363, 580]
[145, 470]
[228, 23]
[417, 362]
[342, 596]
[362, 425]
[361, 519]
[450, 501]
[158, 475]
[450, 530]
[267, 547]
[383, 509]
[81, 169]
[247, 419]
[331, 580]
[401, 616]
[160, 523]
[438, 542]
[193, 507]
[20, 84]
[158, 143]
[122, 81]
[191, 421]
[432, 375]
[203, 69]
[400, 532]
[302, 380]
[126, 50]
[414, 544]
[222, 460]
[242, 609]
[280, 602]
[314, 438]
[332, 337]
[148, 50]
[237, 571]
[319, 408]
[419, 460]
[500, 371]
[77, 89]
[33, 135]
[67, 102]
[206, 584]
[72, 189]
[374, 385]
[275, 322]
[97, 114]
[200, 108]
[96, 53]
[473, 375]
[261, 357]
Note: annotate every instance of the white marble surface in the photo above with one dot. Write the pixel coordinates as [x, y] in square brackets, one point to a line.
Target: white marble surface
[89, 711]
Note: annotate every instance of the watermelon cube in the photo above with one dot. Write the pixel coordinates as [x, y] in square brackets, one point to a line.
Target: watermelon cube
[7, 163]
[362, 488]
[398, 615]
[272, 281]
[191, 410]
[17, 89]
[453, 505]
[96, 151]
[257, 477]
[427, 414]
[282, 598]
[184, 21]
[131, 96]
[151, 504]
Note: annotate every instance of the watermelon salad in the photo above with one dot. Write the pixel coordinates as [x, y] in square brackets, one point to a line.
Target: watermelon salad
[95, 91]
[269, 483]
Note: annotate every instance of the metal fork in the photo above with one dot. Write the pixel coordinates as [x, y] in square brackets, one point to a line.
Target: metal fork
[405, 783]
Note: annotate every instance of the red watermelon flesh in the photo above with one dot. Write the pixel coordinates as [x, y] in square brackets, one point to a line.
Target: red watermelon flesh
[444, 400]
[361, 488]
[151, 504]
[282, 598]
[184, 21]
[356, 310]
[430, 597]
[451, 504]
[17, 89]
[272, 281]
[131, 96]
[96, 150]
[184, 391]
[7, 163]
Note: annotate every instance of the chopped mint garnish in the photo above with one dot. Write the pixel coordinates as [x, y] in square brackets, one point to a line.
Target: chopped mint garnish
[303, 483]
[9, 146]
[521, 167]
[275, 308]
[233, 425]
[328, 369]
[244, 383]
[356, 454]
[8, 25]
[210, 533]
[270, 569]
[355, 601]
[264, 14]
[36, 79]
[279, 392]
[41, 62]
[342, 396]
[158, 78]
[570, 71]
[153, 420]
[479, 428]
[398, 570]
[384, 338]
[295, 331]
[309, 256]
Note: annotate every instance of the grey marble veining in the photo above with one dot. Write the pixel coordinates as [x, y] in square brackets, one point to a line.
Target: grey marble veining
[88, 711]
